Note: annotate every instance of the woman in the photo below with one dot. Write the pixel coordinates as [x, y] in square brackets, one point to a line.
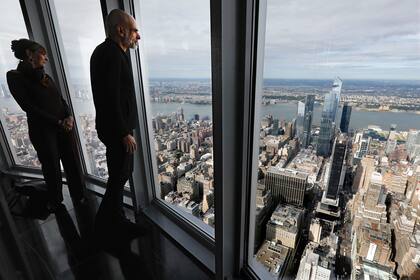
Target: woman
[50, 122]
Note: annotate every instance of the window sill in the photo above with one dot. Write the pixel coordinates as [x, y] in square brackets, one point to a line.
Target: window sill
[99, 190]
[202, 255]
[24, 173]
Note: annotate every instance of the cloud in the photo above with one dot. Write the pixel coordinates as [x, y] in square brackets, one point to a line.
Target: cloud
[353, 39]
[12, 26]
[375, 39]
[176, 38]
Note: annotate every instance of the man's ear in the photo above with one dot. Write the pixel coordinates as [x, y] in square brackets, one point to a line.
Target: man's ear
[120, 30]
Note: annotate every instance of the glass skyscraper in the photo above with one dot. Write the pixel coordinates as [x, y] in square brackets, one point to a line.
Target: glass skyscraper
[307, 121]
[300, 120]
[329, 113]
[304, 120]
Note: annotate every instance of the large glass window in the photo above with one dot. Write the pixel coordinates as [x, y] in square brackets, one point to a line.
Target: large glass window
[80, 28]
[13, 119]
[176, 64]
[340, 95]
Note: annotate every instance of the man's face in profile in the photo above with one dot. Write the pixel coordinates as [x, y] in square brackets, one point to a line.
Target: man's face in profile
[132, 36]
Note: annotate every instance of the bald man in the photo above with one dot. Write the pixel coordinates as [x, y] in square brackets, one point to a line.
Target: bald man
[116, 113]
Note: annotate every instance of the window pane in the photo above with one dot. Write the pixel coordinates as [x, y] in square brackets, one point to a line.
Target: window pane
[340, 95]
[176, 54]
[13, 119]
[80, 27]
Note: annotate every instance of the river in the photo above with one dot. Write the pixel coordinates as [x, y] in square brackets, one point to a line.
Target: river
[283, 111]
[287, 111]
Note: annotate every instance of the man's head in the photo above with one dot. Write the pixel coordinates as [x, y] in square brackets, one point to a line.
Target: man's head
[122, 28]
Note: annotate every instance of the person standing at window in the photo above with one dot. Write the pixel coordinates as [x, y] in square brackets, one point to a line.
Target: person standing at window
[50, 123]
[116, 113]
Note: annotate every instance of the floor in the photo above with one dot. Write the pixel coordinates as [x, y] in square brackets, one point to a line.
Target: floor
[62, 245]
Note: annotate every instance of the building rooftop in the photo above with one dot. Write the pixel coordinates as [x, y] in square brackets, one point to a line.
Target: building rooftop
[375, 246]
[326, 253]
[308, 162]
[288, 172]
[376, 195]
[286, 217]
[274, 257]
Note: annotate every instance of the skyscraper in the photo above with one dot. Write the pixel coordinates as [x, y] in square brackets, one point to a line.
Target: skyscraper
[336, 176]
[345, 118]
[307, 121]
[276, 128]
[328, 116]
[304, 120]
[329, 204]
[300, 120]
[325, 135]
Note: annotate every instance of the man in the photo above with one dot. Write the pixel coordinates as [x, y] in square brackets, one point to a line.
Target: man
[116, 113]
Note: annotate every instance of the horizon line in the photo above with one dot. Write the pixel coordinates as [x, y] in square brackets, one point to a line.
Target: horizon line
[310, 79]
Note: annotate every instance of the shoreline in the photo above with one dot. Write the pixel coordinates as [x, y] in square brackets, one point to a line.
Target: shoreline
[360, 109]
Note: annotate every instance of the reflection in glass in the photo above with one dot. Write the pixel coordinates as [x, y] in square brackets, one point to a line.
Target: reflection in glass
[176, 61]
[13, 119]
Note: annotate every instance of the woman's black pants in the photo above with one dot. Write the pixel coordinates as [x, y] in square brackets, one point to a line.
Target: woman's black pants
[53, 145]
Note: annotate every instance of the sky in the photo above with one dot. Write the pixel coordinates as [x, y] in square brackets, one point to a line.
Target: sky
[12, 27]
[359, 39]
[318, 39]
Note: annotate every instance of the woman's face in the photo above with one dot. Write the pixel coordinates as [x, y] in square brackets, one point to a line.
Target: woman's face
[38, 58]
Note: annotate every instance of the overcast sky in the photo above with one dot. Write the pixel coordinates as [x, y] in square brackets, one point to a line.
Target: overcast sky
[359, 39]
[317, 39]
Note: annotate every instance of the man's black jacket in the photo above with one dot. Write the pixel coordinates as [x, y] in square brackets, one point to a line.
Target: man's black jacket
[113, 91]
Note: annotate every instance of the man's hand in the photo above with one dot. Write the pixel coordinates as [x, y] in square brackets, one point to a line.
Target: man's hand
[68, 123]
[130, 144]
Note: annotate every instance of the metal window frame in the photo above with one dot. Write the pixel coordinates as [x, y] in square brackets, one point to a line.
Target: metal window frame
[39, 29]
[8, 161]
[145, 175]
[235, 39]
[256, 67]
[62, 69]
[40, 20]
[48, 9]
[254, 78]
[240, 58]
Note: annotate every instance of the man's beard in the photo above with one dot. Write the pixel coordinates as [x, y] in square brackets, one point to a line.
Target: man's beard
[134, 45]
[131, 44]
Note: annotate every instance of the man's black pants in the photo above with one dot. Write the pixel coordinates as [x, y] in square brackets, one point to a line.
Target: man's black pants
[120, 168]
